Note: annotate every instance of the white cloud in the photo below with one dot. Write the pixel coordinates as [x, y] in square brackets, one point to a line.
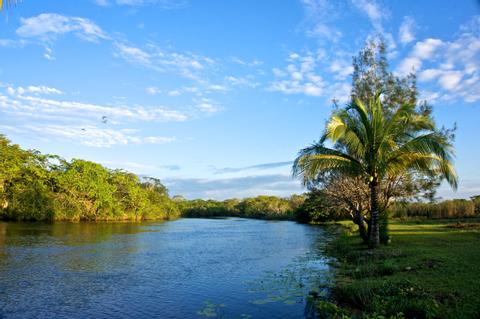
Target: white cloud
[37, 90]
[186, 89]
[299, 76]
[185, 64]
[217, 87]
[373, 10]
[450, 80]
[454, 66]
[425, 49]
[422, 50]
[48, 54]
[245, 81]
[133, 54]
[318, 21]
[405, 33]
[48, 26]
[207, 105]
[174, 93]
[152, 90]
[252, 63]
[340, 92]
[322, 30]
[409, 64]
[19, 102]
[342, 69]
[88, 135]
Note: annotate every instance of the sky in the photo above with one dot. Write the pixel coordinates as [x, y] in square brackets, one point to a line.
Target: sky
[216, 98]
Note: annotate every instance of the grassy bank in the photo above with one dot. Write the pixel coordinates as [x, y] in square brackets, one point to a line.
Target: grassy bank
[431, 269]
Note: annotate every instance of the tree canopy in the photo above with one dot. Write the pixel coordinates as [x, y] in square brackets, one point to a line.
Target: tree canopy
[34, 186]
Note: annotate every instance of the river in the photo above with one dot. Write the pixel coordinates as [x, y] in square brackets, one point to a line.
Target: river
[187, 268]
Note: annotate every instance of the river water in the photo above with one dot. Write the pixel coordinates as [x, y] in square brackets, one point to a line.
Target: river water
[187, 268]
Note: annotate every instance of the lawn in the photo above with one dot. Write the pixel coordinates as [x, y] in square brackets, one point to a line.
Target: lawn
[431, 269]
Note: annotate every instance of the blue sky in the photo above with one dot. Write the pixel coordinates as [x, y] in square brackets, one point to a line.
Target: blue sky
[217, 97]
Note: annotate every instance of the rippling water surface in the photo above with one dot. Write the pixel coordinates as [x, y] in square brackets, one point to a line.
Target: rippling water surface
[188, 268]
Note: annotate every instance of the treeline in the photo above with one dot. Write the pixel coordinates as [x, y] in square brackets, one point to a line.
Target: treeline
[260, 207]
[317, 208]
[455, 208]
[34, 186]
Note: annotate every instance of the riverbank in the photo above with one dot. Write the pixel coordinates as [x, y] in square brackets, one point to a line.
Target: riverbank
[430, 270]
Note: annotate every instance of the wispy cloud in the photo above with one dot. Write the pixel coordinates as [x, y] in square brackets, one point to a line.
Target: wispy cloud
[242, 81]
[372, 9]
[185, 64]
[48, 26]
[20, 103]
[32, 89]
[253, 63]
[319, 18]
[299, 76]
[422, 50]
[277, 184]
[88, 135]
[452, 66]
[263, 166]
[139, 168]
[406, 31]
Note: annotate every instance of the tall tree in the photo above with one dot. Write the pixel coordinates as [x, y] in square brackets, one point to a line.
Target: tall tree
[374, 142]
[370, 75]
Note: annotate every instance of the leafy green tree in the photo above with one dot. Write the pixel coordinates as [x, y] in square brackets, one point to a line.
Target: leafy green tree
[12, 163]
[349, 193]
[130, 197]
[373, 144]
[159, 204]
[87, 191]
[31, 193]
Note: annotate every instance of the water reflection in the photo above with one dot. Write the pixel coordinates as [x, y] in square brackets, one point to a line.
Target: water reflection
[188, 268]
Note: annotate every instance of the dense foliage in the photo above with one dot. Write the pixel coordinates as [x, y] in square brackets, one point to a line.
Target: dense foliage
[34, 186]
[455, 208]
[260, 207]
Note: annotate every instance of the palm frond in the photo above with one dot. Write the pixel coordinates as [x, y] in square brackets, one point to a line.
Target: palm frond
[317, 159]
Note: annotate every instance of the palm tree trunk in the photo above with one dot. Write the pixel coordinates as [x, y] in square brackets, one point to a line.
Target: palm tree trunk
[374, 226]
[358, 219]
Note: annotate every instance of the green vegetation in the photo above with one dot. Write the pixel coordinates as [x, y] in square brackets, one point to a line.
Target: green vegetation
[260, 207]
[455, 208]
[371, 144]
[430, 270]
[379, 138]
[34, 186]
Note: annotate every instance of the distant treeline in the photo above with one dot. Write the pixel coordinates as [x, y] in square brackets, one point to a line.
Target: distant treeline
[313, 208]
[260, 207]
[34, 186]
[455, 208]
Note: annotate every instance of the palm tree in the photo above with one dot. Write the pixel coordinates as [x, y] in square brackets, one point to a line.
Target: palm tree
[373, 144]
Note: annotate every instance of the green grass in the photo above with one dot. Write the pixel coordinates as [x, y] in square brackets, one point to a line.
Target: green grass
[431, 269]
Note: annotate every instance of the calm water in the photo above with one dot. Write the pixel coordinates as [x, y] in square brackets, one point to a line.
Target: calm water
[188, 268]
